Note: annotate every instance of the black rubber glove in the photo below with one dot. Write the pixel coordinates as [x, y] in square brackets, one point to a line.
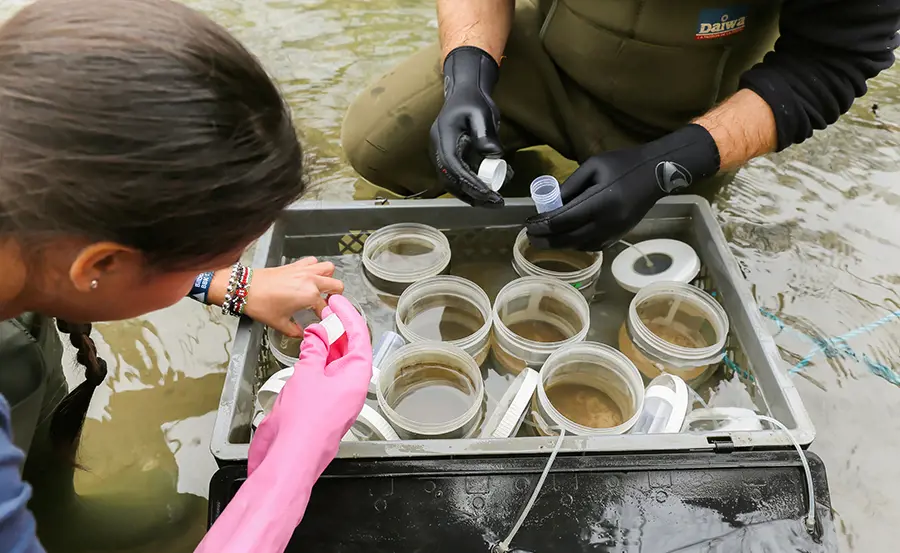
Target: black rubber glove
[610, 193]
[466, 130]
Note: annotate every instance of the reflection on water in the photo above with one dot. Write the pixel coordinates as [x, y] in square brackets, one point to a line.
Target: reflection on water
[814, 230]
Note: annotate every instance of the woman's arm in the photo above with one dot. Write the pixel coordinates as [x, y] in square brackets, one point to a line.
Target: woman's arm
[17, 527]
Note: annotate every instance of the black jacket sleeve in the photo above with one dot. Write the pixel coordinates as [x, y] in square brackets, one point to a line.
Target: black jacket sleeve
[826, 51]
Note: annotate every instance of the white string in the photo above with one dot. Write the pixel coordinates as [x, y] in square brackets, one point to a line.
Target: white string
[811, 512]
[503, 547]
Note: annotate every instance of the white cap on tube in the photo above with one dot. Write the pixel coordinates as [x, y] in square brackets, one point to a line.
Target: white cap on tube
[492, 172]
[545, 194]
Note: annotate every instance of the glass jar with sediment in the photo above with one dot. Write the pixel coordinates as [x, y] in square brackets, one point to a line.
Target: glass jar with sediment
[535, 316]
[447, 309]
[580, 269]
[675, 328]
[587, 389]
[431, 390]
[396, 256]
[286, 349]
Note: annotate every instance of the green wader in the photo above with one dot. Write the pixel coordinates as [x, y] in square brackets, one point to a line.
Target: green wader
[579, 76]
[33, 382]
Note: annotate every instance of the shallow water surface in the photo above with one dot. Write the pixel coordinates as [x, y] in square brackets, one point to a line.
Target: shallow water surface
[814, 229]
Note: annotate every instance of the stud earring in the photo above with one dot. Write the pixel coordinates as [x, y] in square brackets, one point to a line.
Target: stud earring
[94, 284]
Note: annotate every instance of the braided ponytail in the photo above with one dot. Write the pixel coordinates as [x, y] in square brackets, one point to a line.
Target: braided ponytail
[68, 419]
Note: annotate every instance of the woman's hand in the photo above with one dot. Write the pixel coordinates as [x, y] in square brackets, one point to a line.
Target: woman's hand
[298, 439]
[276, 293]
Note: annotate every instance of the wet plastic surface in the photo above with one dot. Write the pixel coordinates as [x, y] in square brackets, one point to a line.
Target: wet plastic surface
[694, 502]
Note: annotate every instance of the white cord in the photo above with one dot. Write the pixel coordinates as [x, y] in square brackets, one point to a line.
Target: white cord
[811, 512]
[503, 547]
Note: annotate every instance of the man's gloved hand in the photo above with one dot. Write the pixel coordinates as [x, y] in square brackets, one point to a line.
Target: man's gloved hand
[466, 129]
[610, 193]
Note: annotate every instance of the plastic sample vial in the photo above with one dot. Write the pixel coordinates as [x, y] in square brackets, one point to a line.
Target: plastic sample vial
[545, 193]
[387, 344]
[396, 256]
[580, 269]
[588, 389]
[535, 316]
[492, 172]
[674, 328]
[431, 390]
[447, 309]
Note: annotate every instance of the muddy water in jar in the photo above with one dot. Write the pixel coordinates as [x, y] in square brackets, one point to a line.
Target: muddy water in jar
[560, 261]
[539, 331]
[444, 318]
[406, 255]
[686, 328]
[431, 393]
[585, 405]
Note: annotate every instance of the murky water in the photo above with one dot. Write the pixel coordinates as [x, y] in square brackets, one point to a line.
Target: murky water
[814, 229]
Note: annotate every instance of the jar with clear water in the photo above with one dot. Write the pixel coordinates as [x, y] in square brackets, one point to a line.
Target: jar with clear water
[533, 317]
[431, 390]
[675, 328]
[587, 389]
[396, 256]
[285, 350]
[577, 268]
[447, 309]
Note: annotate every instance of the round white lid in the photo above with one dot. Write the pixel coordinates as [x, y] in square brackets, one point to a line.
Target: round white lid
[674, 391]
[265, 397]
[672, 261]
[378, 425]
[507, 417]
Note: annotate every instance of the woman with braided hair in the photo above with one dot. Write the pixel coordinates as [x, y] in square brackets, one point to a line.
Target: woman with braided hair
[140, 145]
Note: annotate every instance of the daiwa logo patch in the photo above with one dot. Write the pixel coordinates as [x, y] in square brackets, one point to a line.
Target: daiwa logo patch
[718, 23]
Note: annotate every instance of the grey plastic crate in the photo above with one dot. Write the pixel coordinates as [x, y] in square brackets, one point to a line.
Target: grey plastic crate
[340, 228]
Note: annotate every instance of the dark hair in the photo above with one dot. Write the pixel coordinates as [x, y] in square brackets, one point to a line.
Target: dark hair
[140, 122]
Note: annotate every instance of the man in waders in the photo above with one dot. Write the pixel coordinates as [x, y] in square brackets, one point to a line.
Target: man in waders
[650, 97]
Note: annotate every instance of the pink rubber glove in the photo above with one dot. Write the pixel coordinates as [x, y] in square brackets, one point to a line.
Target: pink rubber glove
[299, 438]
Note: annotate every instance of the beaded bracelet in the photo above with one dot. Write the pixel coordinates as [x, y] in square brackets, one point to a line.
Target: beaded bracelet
[238, 287]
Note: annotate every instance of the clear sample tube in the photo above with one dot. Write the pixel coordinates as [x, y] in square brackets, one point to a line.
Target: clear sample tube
[545, 193]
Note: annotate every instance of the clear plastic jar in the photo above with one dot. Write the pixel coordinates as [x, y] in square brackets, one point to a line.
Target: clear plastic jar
[286, 349]
[396, 256]
[588, 389]
[674, 328]
[535, 316]
[431, 390]
[447, 309]
[580, 269]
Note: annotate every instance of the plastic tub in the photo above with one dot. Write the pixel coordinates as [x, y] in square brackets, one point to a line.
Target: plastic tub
[535, 316]
[580, 269]
[675, 328]
[447, 309]
[431, 390]
[588, 389]
[286, 349]
[396, 256]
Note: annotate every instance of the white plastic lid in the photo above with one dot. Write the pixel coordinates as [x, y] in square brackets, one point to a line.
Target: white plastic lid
[507, 417]
[672, 261]
[265, 397]
[492, 172]
[666, 398]
[376, 424]
[734, 419]
[334, 328]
